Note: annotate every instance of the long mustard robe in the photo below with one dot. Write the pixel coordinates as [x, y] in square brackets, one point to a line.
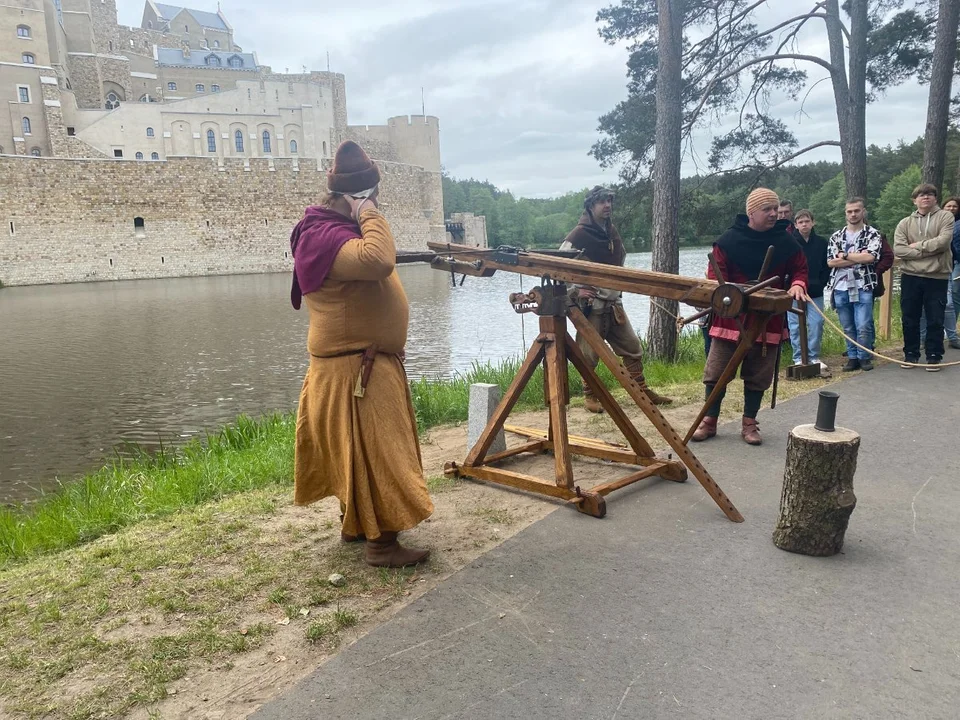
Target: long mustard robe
[362, 450]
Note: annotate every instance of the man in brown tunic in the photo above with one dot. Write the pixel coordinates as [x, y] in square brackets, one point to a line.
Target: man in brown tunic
[356, 430]
[599, 241]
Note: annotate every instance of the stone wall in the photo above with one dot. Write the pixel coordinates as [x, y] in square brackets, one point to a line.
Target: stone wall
[67, 220]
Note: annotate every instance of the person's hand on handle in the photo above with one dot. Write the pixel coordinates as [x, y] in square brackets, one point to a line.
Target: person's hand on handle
[798, 293]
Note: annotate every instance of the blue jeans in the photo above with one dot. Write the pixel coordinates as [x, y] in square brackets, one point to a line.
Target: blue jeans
[857, 321]
[814, 332]
[949, 316]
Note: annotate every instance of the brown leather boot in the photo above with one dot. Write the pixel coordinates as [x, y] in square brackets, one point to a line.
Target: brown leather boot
[385, 551]
[635, 368]
[591, 404]
[705, 430]
[750, 431]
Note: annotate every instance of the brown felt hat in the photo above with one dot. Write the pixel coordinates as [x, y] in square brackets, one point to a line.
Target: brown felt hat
[353, 171]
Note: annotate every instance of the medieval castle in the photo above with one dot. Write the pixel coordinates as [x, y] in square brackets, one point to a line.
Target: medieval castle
[169, 150]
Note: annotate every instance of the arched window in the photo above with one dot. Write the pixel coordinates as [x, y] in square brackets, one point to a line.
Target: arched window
[211, 141]
[113, 101]
[213, 60]
[216, 43]
[200, 88]
[35, 152]
[28, 59]
[150, 132]
[214, 88]
[23, 31]
[146, 98]
[293, 147]
[25, 124]
[154, 156]
[171, 86]
[139, 156]
[235, 61]
[238, 140]
[266, 141]
[324, 149]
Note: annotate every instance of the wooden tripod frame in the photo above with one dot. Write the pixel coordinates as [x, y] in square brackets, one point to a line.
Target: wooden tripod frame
[554, 348]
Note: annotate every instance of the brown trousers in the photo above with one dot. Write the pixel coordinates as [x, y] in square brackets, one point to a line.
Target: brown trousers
[622, 339]
[756, 370]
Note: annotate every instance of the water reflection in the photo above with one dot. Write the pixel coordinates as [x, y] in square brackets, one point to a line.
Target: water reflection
[87, 367]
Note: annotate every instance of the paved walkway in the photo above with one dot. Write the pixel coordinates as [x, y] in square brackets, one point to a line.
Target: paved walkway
[667, 609]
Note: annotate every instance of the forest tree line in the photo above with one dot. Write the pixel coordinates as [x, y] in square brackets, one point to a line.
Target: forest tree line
[707, 205]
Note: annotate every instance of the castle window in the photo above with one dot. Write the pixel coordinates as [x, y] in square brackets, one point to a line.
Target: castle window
[186, 28]
[171, 86]
[235, 61]
[154, 156]
[214, 88]
[25, 123]
[213, 60]
[117, 153]
[28, 59]
[293, 147]
[238, 140]
[139, 156]
[216, 43]
[266, 141]
[324, 149]
[211, 141]
[23, 31]
[24, 92]
[35, 152]
[139, 227]
[71, 131]
[150, 132]
[113, 101]
[200, 88]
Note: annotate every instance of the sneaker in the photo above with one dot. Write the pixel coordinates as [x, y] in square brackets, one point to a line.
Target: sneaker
[933, 365]
[906, 362]
[866, 364]
[852, 364]
[955, 344]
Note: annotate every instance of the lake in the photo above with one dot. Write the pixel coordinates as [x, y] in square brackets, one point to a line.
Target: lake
[85, 368]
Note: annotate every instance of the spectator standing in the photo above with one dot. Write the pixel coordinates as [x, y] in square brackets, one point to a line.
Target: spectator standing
[922, 242]
[950, 311]
[853, 252]
[953, 205]
[818, 274]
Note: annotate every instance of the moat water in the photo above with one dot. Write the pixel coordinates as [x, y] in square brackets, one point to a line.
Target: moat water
[87, 368]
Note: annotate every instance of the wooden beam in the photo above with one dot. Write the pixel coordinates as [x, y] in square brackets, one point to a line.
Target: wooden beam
[536, 446]
[609, 487]
[692, 291]
[512, 479]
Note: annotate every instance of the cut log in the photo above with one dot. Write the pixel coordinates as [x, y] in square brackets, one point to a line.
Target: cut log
[817, 498]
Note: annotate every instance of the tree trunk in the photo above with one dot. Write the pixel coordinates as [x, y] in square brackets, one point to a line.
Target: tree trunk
[850, 98]
[662, 336]
[938, 106]
[817, 498]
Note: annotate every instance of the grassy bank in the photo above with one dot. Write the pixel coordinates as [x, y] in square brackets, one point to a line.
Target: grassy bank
[257, 454]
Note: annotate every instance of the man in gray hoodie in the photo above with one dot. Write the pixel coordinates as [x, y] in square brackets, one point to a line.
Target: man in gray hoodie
[922, 243]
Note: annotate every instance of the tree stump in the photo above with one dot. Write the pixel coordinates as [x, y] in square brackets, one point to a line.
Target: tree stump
[817, 498]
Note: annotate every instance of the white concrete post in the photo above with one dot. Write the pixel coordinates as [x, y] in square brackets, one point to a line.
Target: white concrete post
[484, 398]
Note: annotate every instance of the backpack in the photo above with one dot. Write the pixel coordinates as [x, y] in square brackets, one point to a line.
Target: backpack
[882, 265]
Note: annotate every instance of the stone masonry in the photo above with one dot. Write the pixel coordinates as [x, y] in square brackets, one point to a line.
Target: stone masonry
[68, 220]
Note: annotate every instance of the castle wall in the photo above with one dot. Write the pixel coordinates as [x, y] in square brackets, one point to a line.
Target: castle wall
[199, 219]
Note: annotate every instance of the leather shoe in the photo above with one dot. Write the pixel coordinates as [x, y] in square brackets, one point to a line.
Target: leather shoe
[705, 430]
[750, 431]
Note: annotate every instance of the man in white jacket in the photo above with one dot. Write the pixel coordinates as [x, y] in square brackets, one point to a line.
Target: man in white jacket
[922, 243]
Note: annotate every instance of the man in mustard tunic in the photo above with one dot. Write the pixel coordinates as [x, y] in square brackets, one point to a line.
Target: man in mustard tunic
[356, 429]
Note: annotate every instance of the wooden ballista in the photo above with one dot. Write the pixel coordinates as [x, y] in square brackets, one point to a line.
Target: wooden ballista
[554, 348]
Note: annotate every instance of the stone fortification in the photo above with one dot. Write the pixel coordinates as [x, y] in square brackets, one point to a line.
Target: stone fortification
[69, 220]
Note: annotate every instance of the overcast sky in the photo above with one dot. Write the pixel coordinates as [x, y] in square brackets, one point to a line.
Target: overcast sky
[518, 85]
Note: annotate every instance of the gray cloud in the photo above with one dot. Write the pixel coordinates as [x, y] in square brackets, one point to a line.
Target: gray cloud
[518, 85]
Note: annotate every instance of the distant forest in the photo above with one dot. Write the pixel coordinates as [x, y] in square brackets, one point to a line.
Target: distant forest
[709, 204]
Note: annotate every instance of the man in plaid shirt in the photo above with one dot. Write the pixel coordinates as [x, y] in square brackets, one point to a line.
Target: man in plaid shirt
[852, 253]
